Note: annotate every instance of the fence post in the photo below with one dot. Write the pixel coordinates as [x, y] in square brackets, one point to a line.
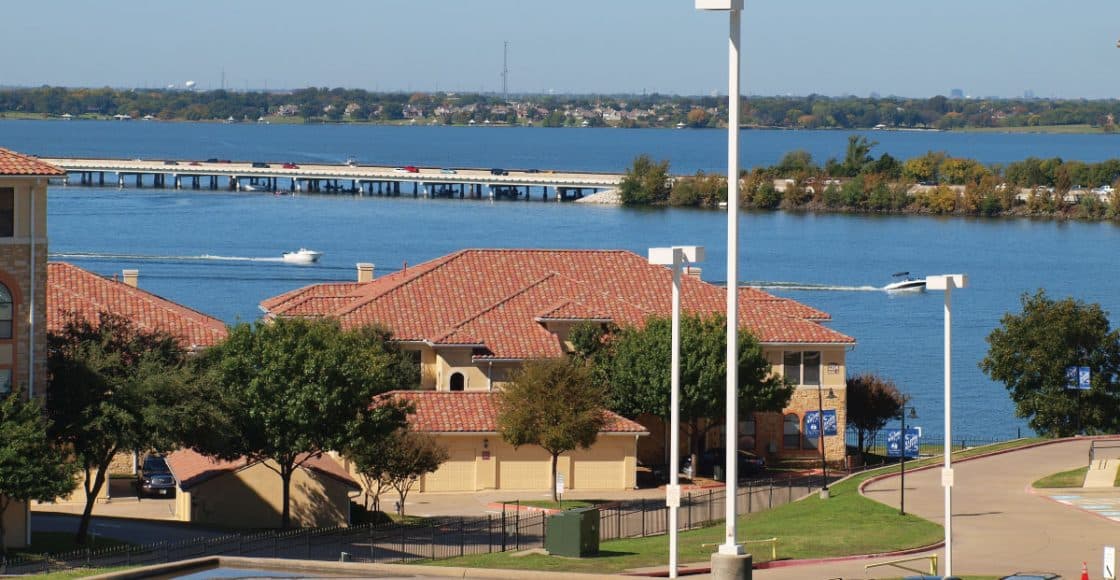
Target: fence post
[771, 505]
[462, 540]
[643, 512]
[749, 497]
[432, 527]
[690, 510]
[709, 520]
[503, 528]
[517, 527]
[489, 533]
[618, 521]
[403, 526]
[372, 553]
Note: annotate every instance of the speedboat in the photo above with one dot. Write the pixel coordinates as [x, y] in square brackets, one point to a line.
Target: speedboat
[903, 281]
[302, 256]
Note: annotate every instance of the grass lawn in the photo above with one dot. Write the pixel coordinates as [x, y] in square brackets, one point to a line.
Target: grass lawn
[845, 524]
[567, 504]
[58, 543]
[1071, 478]
[79, 573]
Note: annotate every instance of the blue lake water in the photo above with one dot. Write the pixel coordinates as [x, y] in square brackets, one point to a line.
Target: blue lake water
[837, 260]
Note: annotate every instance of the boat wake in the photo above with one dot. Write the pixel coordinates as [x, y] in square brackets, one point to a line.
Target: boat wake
[812, 287]
[157, 258]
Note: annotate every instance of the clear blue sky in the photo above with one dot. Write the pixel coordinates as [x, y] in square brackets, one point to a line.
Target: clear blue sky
[985, 47]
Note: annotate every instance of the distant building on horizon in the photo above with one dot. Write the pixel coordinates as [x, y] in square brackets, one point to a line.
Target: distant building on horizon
[956, 94]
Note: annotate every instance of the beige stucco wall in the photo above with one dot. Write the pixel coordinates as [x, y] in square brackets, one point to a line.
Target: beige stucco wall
[15, 525]
[251, 498]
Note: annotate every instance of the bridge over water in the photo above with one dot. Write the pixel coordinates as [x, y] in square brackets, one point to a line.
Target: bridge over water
[322, 178]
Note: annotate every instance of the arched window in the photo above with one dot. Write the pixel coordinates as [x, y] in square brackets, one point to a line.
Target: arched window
[791, 432]
[457, 381]
[747, 432]
[5, 312]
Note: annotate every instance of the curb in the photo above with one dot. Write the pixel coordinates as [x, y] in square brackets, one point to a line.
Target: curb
[794, 563]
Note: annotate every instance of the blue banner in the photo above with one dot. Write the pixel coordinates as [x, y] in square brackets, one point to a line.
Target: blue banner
[1078, 378]
[895, 443]
[813, 424]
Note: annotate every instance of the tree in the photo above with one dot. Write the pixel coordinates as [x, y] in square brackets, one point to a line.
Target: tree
[872, 401]
[409, 455]
[555, 404]
[1031, 351]
[857, 155]
[302, 387]
[115, 387]
[646, 182]
[31, 466]
[637, 366]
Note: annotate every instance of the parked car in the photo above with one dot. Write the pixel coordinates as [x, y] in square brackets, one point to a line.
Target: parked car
[260, 164]
[194, 164]
[411, 169]
[212, 160]
[398, 170]
[498, 171]
[448, 171]
[749, 464]
[170, 162]
[155, 478]
[290, 165]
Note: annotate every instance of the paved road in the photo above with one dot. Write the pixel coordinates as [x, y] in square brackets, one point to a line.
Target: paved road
[126, 530]
[999, 525]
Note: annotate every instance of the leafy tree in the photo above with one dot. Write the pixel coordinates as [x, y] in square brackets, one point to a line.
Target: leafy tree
[115, 387]
[637, 365]
[872, 401]
[857, 155]
[554, 403]
[408, 456]
[646, 182]
[31, 466]
[302, 387]
[1030, 352]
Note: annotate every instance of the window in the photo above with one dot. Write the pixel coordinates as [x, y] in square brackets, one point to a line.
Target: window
[791, 432]
[5, 382]
[746, 433]
[5, 312]
[803, 368]
[457, 381]
[7, 212]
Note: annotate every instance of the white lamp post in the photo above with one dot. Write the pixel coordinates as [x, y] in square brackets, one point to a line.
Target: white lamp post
[947, 283]
[676, 257]
[731, 562]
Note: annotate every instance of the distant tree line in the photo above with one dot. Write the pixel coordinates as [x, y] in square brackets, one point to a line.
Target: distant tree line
[932, 183]
[652, 110]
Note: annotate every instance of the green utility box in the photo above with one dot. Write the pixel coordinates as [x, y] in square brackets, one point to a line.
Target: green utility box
[573, 533]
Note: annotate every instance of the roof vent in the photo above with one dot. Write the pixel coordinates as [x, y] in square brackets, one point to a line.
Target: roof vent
[131, 277]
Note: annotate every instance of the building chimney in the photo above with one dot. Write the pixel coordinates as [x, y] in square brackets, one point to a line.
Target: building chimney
[365, 272]
[130, 277]
[692, 271]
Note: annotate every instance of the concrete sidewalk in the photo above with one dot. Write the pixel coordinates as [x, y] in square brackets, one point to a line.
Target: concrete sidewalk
[1102, 473]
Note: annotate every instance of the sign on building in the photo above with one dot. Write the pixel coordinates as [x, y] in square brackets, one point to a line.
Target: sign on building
[813, 423]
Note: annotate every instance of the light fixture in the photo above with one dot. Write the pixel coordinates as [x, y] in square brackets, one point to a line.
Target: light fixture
[485, 443]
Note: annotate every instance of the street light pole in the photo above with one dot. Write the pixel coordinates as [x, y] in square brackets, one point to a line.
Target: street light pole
[730, 561]
[676, 257]
[947, 282]
[902, 448]
[820, 434]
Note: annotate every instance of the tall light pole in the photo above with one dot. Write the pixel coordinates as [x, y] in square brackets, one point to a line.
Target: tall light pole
[947, 282]
[902, 457]
[731, 561]
[676, 257]
[820, 434]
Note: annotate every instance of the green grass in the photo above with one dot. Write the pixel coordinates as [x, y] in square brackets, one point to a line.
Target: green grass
[845, 524]
[1071, 478]
[568, 504]
[77, 573]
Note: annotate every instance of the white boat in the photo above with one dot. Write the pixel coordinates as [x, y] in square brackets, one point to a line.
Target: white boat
[903, 281]
[302, 256]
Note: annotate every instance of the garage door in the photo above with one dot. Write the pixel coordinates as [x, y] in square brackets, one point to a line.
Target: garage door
[524, 474]
[455, 474]
[589, 474]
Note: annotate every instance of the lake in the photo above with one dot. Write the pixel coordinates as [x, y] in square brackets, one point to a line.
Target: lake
[218, 251]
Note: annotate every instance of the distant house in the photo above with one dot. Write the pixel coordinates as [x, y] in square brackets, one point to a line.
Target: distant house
[23, 272]
[472, 317]
[247, 494]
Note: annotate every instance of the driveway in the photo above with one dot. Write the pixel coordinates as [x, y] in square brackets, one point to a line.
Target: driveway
[1000, 524]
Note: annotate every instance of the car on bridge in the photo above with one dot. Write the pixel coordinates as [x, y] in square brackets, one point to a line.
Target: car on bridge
[290, 165]
[260, 164]
[498, 171]
[411, 169]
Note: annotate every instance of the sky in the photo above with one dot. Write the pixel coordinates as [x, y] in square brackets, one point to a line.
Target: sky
[1053, 48]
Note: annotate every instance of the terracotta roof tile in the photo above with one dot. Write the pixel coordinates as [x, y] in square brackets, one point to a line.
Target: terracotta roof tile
[191, 468]
[496, 298]
[12, 163]
[475, 412]
[71, 289]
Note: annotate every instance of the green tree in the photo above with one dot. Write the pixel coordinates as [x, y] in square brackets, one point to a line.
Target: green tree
[872, 401]
[555, 404]
[637, 365]
[115, 387]
[646, 182]
[1030, 352]
[857, 155]
[32, 467]
[302, 387]
[408, 456]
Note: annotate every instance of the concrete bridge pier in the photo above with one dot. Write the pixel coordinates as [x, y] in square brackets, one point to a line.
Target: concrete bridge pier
[120, 181]
[139, 181]
[101, 178]
[178, 182]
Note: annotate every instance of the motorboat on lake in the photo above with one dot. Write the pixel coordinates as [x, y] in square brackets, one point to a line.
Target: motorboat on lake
[905, 282]
[302, 256]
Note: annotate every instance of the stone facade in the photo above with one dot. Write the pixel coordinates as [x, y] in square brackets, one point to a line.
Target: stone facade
[15, 273]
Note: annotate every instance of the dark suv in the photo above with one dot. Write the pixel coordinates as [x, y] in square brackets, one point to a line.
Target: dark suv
[155, 478]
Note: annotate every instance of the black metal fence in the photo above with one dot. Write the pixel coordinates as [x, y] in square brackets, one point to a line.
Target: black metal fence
[930, 442]
[433, 539]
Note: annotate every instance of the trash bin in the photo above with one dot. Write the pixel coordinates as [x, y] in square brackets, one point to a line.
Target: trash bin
[717, 473]
[573, 533]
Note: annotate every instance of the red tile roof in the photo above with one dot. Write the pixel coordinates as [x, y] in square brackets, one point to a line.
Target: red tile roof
[71, 289]
[500, 299]
[191, 468]
[475, 412]
[12, 163]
